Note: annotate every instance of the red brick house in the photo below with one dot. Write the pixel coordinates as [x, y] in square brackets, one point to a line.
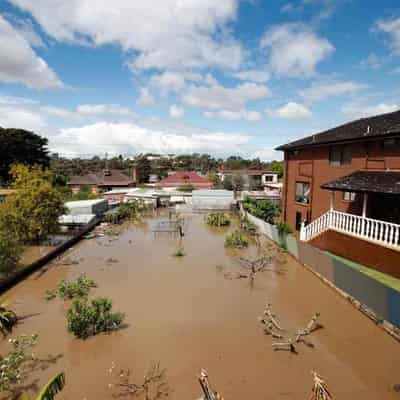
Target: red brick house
[186, 178]
[102, 181]
[342, 190]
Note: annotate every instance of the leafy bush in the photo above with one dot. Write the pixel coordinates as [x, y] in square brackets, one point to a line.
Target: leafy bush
[11, 364]
[185, 188]
[236, 239]
[8, 318]
[263, 209]
[72, 289]
[10, 252]
[218, 219]
[179, 253]
[283, 229]
[86, 319]
[126, 211]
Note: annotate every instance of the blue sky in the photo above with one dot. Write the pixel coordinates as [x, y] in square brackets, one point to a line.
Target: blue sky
[179, 76]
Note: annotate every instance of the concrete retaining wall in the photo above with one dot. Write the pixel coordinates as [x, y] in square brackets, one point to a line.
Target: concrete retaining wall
[382, 300]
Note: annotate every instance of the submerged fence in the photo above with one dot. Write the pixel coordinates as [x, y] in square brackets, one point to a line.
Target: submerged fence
[383, 300]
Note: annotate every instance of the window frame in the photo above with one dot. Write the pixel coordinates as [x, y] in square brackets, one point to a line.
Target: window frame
[296, 196]
[352, 197]
[343, 155]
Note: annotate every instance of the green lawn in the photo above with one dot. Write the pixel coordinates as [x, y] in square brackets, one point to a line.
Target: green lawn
[387, 280]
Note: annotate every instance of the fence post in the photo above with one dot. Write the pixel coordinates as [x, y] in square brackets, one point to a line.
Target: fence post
[302, 232]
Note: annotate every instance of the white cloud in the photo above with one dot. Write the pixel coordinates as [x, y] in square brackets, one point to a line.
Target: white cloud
[176, 111]
[19, 117]
[293, 110]
[25, 28]
[372, 61]
[361, 110]
[145, 97]
[88, 111]
[267, 154]
[168, 82]
[295, 50]
[253, 75]
[19, 63]
[132, 139]
[103, 109]
[163, 33]
[221, 98]
[234, 115]
[391, 27]
[322, 90]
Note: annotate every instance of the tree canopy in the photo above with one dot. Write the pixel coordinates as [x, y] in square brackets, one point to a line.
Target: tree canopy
[21, 146]
[32, 212]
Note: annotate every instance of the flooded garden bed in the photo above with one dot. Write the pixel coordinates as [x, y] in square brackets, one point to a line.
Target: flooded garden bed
[190, 302]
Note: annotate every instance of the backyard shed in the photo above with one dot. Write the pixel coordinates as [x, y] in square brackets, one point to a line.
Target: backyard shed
[212, 199]
[87, 207]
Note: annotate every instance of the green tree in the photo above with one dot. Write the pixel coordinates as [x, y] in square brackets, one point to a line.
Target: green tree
[10, 252]
[143, 169]
[227, 182]
[277, 167]
[32, 212]
[215, 179]
[20, 146]
[237, 182]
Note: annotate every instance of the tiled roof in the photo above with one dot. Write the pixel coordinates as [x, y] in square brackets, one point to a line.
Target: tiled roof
[367, 182]
[116, 177]
[185, 178]
[380, 125]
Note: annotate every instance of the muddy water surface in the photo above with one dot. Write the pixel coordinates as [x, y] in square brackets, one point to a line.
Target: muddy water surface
[183, 313]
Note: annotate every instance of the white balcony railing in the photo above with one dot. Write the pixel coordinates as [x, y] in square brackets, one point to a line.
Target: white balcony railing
[384, 233]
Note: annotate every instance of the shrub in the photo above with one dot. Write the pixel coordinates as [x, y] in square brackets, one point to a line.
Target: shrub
[185, 188]
[283, 229]
[10, 252]
[8, 318]
[179, 253]
[263, 209]
[126, 211]
[11, 364]
[236, 239]
[86, 319]
[218, 219]
[72, 289]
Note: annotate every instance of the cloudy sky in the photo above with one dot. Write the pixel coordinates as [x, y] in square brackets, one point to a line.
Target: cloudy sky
[177, 76]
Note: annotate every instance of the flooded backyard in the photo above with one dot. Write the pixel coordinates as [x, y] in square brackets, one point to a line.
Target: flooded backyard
[185, 313]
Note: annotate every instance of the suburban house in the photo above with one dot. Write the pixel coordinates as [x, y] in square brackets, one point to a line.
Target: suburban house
[342, 190]
[105, 180]
[251, 177]
[185, 178]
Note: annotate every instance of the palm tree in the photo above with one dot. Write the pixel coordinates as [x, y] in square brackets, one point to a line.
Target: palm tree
[52, 387]
[8, 318]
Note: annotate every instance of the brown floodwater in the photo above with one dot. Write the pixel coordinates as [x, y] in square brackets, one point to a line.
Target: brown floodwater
[183, 313]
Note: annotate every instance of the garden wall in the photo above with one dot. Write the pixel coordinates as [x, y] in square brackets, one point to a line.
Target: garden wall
[382, 300]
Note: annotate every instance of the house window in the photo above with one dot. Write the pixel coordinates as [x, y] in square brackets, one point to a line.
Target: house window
[268, 178]
[391, 143]
[349, 196]
[340, 155]
[303, 192]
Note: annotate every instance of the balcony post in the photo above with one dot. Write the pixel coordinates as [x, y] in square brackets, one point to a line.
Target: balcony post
[331, 200]
[364, 213]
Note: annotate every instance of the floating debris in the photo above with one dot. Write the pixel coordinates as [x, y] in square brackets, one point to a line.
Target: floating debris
[153, 387]
[320, 390]
[273, 328]
[209, 392]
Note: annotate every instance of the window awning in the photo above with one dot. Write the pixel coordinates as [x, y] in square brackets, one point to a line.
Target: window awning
[366, 182]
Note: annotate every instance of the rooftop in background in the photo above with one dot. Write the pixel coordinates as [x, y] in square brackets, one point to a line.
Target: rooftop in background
[186, 178]
[367, 182]
[7, 192]
[377, 126]
[111, 177]
[83, 203]
[247, 171]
